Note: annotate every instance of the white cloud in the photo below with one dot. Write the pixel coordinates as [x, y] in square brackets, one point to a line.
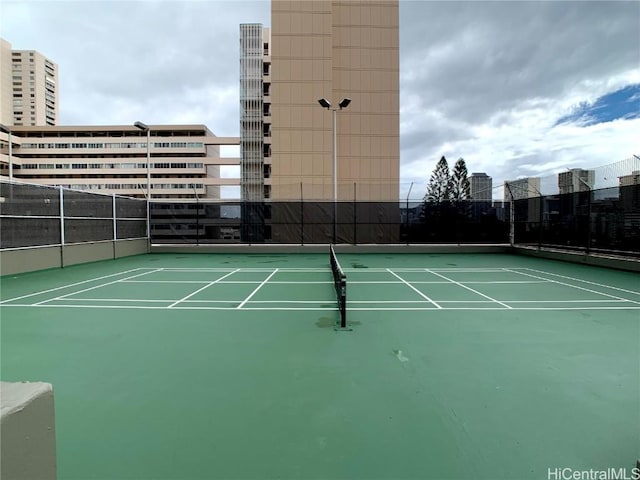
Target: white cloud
[485, 81]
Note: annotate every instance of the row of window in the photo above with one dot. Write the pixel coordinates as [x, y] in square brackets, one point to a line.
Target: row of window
[115, 145]
[134, 186]
[62, 166]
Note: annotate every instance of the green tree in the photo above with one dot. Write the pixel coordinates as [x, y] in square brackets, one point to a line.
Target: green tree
[439, 183]
[459, 186]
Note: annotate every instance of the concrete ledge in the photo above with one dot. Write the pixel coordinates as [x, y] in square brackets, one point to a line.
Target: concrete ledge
[30, 259]
[596, 260]
[129, 247]
[27, 431]
[86, 252]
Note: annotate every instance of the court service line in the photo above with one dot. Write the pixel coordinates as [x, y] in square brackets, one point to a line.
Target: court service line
[413, 288]
[70, 285]
[432, 309]
[96, 286]
[584, 281]
[575, 286]
[201, 289]
[124, 300]
[469, 288]
[256, 290]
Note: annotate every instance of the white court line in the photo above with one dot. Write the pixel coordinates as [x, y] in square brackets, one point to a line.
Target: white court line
[70, 285]
[585, 281]
[94, 287]
[413, 288]
[350, 302]
[257, 288]
[432, 309]
[246, 269]
[575, 286]
[469, 288]
[201, 289]
[167, 281]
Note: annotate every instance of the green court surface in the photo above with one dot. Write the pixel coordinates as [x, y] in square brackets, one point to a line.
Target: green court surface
[229, 366]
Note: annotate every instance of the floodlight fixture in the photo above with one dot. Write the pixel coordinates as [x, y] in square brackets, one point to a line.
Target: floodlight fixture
[142, 126]
[344, 103]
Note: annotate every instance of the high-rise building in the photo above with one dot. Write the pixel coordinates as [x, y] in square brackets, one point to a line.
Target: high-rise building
[6, 88]
[255, 112]
[28, 87]
[480, 187]
[576, 180]
[521, 188]
[334, 50]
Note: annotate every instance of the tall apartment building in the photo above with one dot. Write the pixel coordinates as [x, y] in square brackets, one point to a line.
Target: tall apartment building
[6, 88]
[576, 180]
[333, 49]
[28, 87]
[481, 186]
[255, 112]
[521, 188]
[184, 159]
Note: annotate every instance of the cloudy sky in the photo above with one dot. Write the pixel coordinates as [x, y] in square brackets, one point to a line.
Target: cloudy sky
[515, 88]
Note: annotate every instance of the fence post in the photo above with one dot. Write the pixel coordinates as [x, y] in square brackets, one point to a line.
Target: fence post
[355, 222]
[589, 233]
[512, 216]
[148, 225]
[62, 241]
[540, 222]
[197, 219]
[115, 223]
[301, 216]
[407, 214]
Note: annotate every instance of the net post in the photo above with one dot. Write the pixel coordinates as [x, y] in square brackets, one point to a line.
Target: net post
[343, 302]
[340, 283]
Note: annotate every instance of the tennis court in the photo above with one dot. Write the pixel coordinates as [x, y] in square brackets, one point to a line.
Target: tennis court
[231, 366]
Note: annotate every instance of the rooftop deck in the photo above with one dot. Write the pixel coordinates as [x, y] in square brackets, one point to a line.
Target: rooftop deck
[229, 366]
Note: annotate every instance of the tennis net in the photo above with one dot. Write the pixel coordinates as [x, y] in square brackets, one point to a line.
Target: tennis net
[340, 282]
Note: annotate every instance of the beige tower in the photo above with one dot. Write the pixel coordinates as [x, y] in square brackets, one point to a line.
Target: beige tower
[335, 50]
[29, 87]
[6, 99]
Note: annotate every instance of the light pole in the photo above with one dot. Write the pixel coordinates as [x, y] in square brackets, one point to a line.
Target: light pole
[344, 103]
[7, 130]
[145, 128]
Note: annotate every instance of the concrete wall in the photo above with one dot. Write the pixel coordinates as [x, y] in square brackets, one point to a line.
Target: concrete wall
[27, 431]
[13, 261]
[596, 260]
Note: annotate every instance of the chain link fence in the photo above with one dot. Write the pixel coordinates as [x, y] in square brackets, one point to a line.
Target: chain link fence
[37, 216]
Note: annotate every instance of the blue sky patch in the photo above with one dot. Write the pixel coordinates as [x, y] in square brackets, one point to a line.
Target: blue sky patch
[621, 104]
